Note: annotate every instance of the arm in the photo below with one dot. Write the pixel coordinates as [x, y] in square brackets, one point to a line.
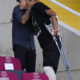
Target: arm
[20, 16]
[25, 17]
[55, 25]
[46, 10]
[52, 14]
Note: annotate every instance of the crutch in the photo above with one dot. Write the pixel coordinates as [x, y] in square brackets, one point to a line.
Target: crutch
[63, 55]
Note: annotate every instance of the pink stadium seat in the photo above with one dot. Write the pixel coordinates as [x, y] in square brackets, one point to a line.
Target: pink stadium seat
[8, 76]
[34, 76]
[9, 63]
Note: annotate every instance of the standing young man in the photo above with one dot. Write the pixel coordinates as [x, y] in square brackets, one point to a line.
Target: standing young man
[43, 18]
[23, 37]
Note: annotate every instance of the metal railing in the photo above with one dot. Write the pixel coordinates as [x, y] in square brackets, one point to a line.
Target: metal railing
[70, 10]
[65, 7]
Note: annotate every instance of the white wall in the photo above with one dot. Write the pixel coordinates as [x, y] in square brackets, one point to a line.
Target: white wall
[6, 7]
[71, 43]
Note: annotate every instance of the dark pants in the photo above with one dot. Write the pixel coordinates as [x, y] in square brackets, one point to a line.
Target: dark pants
[26, 56]
[51, 55]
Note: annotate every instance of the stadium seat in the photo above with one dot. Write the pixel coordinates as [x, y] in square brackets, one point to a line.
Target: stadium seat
[18, 73]
[8, 76]
[34, 76]
[9, 63]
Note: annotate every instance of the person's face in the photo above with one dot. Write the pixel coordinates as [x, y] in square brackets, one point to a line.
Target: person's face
[23, 4]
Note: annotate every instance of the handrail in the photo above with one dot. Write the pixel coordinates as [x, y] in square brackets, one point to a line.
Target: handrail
[65, 7]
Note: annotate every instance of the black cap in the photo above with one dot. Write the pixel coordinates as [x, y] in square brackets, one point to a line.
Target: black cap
[18, 0]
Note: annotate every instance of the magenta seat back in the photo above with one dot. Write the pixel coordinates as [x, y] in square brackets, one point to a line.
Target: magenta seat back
[10, 63]
[8, 76]
[34, 76]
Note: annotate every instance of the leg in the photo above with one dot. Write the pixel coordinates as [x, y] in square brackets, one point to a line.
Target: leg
[51, 60]
[31, 61]
[49, 71]
[48, 65]
[19, 52]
